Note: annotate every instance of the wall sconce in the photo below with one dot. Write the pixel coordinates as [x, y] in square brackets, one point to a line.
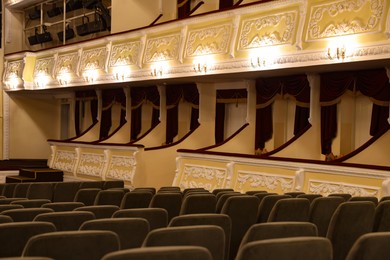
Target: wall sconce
[157, 71]
[336, 53]
[200, 67]
[64, 78]
[257, 61]
[41, 79]
[12, 81]
[91, 75]
[121, 73]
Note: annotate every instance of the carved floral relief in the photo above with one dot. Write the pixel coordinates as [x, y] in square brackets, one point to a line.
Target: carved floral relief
[44, 66]
[125, 54]
[93, 59]
[66, 63]
[326, 188]
[162, 48]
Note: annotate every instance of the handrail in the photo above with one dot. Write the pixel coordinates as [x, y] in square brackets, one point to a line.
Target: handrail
[155, 20]
[196, 8]
[145, 134]
[75, 137]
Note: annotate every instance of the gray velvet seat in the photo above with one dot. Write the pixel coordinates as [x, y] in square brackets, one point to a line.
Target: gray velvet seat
[365, 198]
[20, 190]
[222, 197]
[371, 246]
[20, 215]
[309, 196]
[66, 221]
[86, 196]
[346, 196]
[196, 203]
[8, 190]
[292, 209]
[382, 217]
[157, 217]
[139, 199]
[161, 253]
[171, 202]
[350, 220]
[216, 191]
[242, 211]
[186, 190]
[131, 231]
[14, 236]
[65, 191]
[151, 189]
[5, 219]
[217, 219]
[75, 245]
[209, 236]
[6, 201]
[294, 194]
[169, 188]
[100, 211]
[40, 190]
[91, 185]
[109, 197]
[321, 212]
[31, 203]
[10, 206]
[270, 230]
[113, 184]
[266, 205]
[292, 248]
[63, 206]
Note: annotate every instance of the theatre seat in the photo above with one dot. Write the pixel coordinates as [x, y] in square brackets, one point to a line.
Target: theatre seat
[157, 217]
[292, 209]
[66, 221]
[139, 199]
[20, 215]
[371, 246]
[100, 211]
[75, 245]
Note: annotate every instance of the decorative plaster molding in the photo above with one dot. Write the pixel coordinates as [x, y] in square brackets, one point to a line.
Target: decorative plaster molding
[122, 168]
[65, 160]
[13, 68]
[203, 176]
[266, 30]
[91, 164]
[6, 126]
[93, 59]
[327, 187]
[162, 48]
[44, 65]
[125, 54]
[344, 17]
[66, 63]
[209, 40]
[265, 180]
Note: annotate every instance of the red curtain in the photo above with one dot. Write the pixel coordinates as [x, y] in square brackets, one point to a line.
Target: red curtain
[153, 96]
[371, 83]
[81, 98]
[183, 8]
[137, 95]
[296, 86]
[109, 98]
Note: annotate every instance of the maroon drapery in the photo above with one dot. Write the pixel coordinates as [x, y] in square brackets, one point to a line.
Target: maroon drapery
[191, 95]
[153, 96]
[81, 98]
[225, 96]
[371, 83]
[224, 4]
[137, 95]
[109, 97]
[183, 8]
[266, 89]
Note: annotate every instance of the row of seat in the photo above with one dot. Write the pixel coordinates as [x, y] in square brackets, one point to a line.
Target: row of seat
[124, 238]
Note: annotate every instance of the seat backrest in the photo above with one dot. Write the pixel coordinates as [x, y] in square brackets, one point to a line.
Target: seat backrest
[21, 215]
[346, 196]
[266, 205]
[217, 219]
[131, 231]
[242, 211]
[350, 220]
[318, 248]
[294, 194]
[139, 199]
[169, 188]
[14, 236]
[157, 217]
[91, 184]
[75, 245]
[63, 206]
[8, 190]
[86, 196]
[5, 219]
[365, 198]
[10, 206]
[216, 191]
[66, 221]
[161, 252]
[209, 236]
[31, 203]
[171, 202]
[151, 189]
[309, 196]
[222, 197]
[109, 197]
[292, 209]
[40, 190]
[21, 190]
[65, 191]
[270, 230]
[371, 246]
[100, 211]
[113, 184]
[321, 212]
[196, 203]
[382, 217]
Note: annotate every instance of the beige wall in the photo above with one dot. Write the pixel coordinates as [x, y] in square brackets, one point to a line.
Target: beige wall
[31, 122]
[13, 33]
